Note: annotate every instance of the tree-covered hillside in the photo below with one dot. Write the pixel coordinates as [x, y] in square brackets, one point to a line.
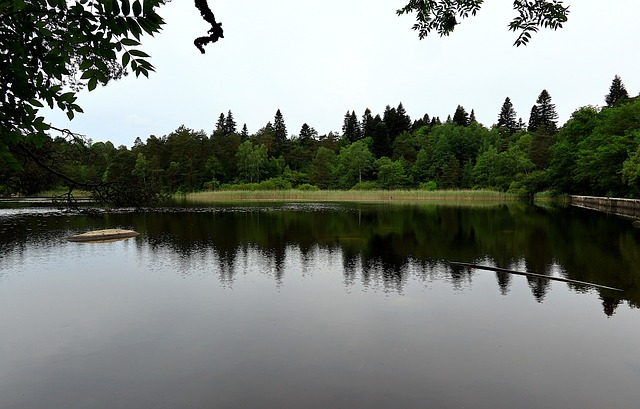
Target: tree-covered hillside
[596, 152]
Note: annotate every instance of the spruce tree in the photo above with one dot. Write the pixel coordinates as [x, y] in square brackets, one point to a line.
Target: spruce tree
[460, 117]
[390, 119]
[404, 121]
[507, 117]
[617, 93]
[472, 117]
[547, 113]
[534, 119]
[245, 132]
[367, 123]
[351, 127]
[307, 133]
[220, 125]
[279, 128]
[229, 124]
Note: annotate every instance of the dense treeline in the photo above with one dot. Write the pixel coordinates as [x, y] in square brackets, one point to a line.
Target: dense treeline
[596, 152]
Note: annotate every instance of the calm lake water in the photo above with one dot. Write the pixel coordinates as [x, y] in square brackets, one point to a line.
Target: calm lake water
[319, 306]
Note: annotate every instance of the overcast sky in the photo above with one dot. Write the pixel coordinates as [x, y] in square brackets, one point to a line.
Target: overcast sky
[315, 60]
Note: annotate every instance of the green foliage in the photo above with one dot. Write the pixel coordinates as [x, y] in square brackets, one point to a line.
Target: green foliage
[391, 174]
[366, 185]
[617, 93]
[307, 187]
[442, 16]
[252, 162]
[354, 162]
[51, 49]
[429, 186]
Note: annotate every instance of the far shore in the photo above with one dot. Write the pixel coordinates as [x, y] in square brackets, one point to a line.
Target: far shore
[348, 196]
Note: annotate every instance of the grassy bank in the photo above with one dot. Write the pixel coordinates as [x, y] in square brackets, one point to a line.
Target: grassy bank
[349, 196]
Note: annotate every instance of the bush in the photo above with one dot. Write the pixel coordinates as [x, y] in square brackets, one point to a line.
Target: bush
[275, 184]
[308, 187]
[430, 185]
[212, 185]
[366, 185]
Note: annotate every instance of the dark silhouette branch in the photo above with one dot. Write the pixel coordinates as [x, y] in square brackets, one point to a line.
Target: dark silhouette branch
[215, 33]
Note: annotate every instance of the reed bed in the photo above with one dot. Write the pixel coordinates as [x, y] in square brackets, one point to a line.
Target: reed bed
[350, 196]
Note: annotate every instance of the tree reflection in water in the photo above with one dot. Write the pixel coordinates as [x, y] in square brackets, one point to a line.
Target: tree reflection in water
[381, 245]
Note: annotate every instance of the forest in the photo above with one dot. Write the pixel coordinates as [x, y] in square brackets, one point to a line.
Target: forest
[596, 152]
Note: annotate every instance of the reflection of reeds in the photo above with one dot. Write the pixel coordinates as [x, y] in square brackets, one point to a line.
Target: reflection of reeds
[352, 196]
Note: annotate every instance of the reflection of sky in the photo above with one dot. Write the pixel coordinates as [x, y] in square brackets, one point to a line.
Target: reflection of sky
[125, 324]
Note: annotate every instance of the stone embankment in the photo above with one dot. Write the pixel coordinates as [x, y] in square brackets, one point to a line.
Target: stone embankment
[612, 205]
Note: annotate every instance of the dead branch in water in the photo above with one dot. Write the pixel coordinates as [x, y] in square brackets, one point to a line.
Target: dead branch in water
[526, 274]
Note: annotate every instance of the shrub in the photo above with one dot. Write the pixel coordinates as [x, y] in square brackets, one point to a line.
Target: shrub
[307, 186]
[366, 185]
[430, 185]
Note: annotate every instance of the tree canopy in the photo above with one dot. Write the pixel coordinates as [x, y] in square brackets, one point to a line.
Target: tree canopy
[442, 16]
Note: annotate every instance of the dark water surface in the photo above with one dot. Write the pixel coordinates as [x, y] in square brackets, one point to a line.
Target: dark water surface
[319, 306]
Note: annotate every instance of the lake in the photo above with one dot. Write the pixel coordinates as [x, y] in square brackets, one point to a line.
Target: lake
[319, 306]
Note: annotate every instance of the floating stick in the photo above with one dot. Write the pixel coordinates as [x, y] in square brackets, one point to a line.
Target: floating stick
[504, 270]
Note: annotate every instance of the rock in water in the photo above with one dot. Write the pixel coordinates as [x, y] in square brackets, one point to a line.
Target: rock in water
[103, 235]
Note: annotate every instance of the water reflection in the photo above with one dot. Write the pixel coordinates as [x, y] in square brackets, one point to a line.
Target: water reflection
[379, 246]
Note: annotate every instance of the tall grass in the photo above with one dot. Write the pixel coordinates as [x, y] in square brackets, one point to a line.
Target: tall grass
[348, 196]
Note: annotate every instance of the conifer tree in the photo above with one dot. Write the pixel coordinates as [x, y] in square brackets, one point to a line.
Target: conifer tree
[617, 93]
[279, 128]
[547, 114]
[404, 121]
[229, 124]
[472, 117]
[390, 119]
[419, 123]
[220, 125]
[367, 123]
[460, 117]
[534, 119]
[351, 127]
[245, 132]
[507, 116]
[307, 133]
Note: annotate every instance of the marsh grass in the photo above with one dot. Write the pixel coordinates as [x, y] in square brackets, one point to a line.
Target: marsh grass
[350, 196]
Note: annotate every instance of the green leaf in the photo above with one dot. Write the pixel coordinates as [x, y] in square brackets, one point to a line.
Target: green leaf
[129, 42]
[85, 65]
[126, 57]
[88, 74]
[92, 84]
[138, 53]
[137, 8]
[115, 6]
[125, 7]
[36, 103]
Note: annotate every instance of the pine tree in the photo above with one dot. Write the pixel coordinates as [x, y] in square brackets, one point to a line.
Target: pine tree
[279, 128]
[229, 124]
[507, 117]
[617, 93]
[460, 117]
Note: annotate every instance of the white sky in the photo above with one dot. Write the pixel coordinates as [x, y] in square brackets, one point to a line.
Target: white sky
[315, 60]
